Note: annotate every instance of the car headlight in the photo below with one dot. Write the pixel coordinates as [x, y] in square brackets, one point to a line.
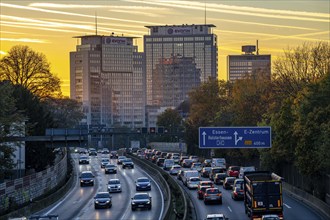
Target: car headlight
[81, 181]
[96, 201]
[148, 202]
[119, 186]
[107, 201]
[148, 184]
[133, 203]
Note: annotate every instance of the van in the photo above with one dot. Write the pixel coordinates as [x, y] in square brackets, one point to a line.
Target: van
[168, 163]
[187, 174]
[218, 162]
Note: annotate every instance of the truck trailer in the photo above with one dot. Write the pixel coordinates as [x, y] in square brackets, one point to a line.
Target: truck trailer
[262, 194]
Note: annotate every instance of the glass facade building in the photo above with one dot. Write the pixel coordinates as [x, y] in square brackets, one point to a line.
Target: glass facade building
[107, 77]
[190, 41]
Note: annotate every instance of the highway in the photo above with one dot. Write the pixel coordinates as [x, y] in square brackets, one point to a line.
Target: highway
[79, 203]
[234, 210]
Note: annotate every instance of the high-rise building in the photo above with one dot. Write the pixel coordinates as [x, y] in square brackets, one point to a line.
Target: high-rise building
[189, 41]
[173, 79]
[107, 77]
[248, 64]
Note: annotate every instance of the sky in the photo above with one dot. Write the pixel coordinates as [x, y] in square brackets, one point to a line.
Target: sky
[48, 27]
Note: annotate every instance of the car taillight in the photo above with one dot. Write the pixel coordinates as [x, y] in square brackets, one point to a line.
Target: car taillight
[206, 194]
[219, 194]
[235, 193]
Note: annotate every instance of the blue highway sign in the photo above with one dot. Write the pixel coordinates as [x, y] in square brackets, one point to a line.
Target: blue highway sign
[235, 137]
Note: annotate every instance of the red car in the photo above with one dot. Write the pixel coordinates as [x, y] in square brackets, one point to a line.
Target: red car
[205, 183]
[233, 171]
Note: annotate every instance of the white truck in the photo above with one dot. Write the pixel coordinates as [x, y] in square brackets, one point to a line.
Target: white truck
[187, 174]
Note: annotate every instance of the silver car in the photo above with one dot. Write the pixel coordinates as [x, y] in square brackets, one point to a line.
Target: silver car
[114, 185]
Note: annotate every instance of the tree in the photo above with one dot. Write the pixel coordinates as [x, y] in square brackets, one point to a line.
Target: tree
[25, 67]
[10, 120]
[311, 128]
[171, 120]
[301, 66]
[38, 118]
[207, 103]
[66, 112]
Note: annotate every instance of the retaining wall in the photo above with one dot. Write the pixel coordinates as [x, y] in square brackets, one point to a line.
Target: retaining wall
[18, 192]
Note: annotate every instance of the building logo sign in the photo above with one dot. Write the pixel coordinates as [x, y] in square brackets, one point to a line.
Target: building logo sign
[115, 40]
[179, 31]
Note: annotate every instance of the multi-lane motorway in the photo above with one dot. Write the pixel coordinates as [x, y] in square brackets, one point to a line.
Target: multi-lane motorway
[79, 203]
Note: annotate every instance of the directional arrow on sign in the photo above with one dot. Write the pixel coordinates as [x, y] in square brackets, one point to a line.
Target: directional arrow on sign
[239, 138]
[204, 134]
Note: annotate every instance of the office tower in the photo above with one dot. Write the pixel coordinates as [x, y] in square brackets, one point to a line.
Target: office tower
[248, 64]
[107, 77]
[173, 79]
[189, 41]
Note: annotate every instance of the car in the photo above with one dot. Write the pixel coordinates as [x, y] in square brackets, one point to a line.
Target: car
[110, 168]
[176, 159]
[83, 160]
[141, 200]
[245, 169]
[83, 151]
[175, 169]
[215, 170]
[270, 217]
[104, 161]
[142, 183]
[205, 183]
[207, 163]
[180, 174]
[92, 152]
[186, 163]
[233, 171]
[229, 182]
[219, 178]
[168, 163]
[201, 191]
[194, 158]
[192, 182]
[102, 200]
[120, 159]
[114, 185]
[127, 163]
[237, 193]
[196, 166]
[160, 161]
[105, 151]
[205, 172]
[218, 162]
[238, 182]
[216, 217]
[212, 195]
[86, 178]
[187, 174]
[113, 154]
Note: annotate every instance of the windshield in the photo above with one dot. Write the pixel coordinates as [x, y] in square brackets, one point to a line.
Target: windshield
[141, 196]
[102, 195]
[143, 180]
[86, 175]
[114, 182]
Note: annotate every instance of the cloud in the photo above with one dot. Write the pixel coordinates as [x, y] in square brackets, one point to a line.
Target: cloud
[241, 10]
[135, 12]
[25, 40]
[75, 14]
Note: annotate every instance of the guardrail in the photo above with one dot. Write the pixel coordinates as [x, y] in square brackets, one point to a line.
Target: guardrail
[175, 200]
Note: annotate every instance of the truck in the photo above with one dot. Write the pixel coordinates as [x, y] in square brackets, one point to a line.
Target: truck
[262, 194]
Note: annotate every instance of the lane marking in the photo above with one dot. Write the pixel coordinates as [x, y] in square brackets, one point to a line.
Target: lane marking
[287, 205]
[230, 209]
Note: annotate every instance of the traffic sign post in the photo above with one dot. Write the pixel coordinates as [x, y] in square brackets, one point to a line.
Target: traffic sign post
[234, 137]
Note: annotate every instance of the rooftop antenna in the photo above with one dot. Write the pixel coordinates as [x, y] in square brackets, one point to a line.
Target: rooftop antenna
[205, 13]
[257, 47]
[95, 23]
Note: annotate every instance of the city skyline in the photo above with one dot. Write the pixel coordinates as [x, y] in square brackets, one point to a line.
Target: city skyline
[49, 27]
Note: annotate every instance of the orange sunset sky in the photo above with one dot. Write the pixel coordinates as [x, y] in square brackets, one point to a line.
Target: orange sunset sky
[49, 26]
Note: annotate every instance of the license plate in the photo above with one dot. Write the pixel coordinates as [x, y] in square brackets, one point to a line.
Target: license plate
[140, 206]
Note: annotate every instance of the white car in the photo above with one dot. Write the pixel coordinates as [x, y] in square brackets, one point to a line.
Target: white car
[175, 169]
[193, 182]
[216, 217]
[114, 185]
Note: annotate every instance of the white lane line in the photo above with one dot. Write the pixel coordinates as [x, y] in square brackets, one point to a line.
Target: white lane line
[230, 209]
[287, 205]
